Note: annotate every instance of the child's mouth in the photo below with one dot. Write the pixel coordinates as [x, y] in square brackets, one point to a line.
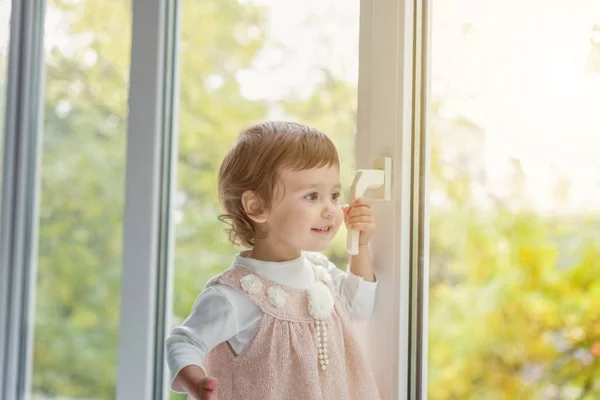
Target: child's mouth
[326, 229]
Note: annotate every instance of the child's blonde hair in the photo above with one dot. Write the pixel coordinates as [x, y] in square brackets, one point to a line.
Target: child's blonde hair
[254, 161]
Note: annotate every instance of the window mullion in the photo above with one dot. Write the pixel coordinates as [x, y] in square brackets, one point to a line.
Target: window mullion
[19, 222]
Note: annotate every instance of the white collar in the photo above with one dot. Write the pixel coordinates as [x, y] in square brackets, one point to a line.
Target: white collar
[295, 273]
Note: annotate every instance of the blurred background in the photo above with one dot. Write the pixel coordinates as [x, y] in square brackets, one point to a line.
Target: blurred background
[514, 125]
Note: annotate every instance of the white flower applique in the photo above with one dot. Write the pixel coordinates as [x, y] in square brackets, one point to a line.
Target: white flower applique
[251, 284]
[322, 274]
[277, 296]
[320, 301]
[315, 258]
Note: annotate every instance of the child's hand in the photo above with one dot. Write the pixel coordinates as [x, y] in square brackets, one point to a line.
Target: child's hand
[205, 390]
[358, 217]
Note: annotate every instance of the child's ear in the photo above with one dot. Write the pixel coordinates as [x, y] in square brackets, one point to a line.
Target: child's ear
[253, 207]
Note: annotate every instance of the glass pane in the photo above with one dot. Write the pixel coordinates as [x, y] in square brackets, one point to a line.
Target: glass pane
[515, 200]
[4, 45]
[87, 52]
[244, 62]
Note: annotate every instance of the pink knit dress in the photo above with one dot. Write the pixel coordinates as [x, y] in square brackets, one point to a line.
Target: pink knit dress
[305, 347]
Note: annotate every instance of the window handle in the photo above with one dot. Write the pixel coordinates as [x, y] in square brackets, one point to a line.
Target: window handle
[379, 180]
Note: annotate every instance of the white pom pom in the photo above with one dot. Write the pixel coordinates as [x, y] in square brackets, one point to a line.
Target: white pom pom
[320, 301]
[277, 296]
[251, 284]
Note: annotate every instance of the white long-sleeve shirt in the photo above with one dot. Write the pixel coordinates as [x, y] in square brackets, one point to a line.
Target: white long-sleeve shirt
[221, 313]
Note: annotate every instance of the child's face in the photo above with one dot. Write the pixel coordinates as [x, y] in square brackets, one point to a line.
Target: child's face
[305, 215]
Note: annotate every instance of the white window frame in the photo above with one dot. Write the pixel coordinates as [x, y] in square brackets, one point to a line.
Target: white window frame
[150, 177]
[392, 105]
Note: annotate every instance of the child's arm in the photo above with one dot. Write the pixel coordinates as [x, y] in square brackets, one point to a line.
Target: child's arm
[358, 216]
[357, 293]
[360, 264]
[213, 320]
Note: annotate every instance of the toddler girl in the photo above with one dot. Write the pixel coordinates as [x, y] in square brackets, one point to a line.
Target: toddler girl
[277, 324]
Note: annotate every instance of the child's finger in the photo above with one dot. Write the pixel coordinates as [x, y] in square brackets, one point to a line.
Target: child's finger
[362, 201]
[361, 218]
[361, 226]
[360, 210]
[209, 384]
[210, 389]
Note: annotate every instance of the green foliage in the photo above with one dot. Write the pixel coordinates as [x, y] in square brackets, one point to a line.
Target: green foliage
[509, 322]
[514, 299]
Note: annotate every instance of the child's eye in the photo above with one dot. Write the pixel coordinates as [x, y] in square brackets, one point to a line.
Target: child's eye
[312, 196]
[335, 196]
